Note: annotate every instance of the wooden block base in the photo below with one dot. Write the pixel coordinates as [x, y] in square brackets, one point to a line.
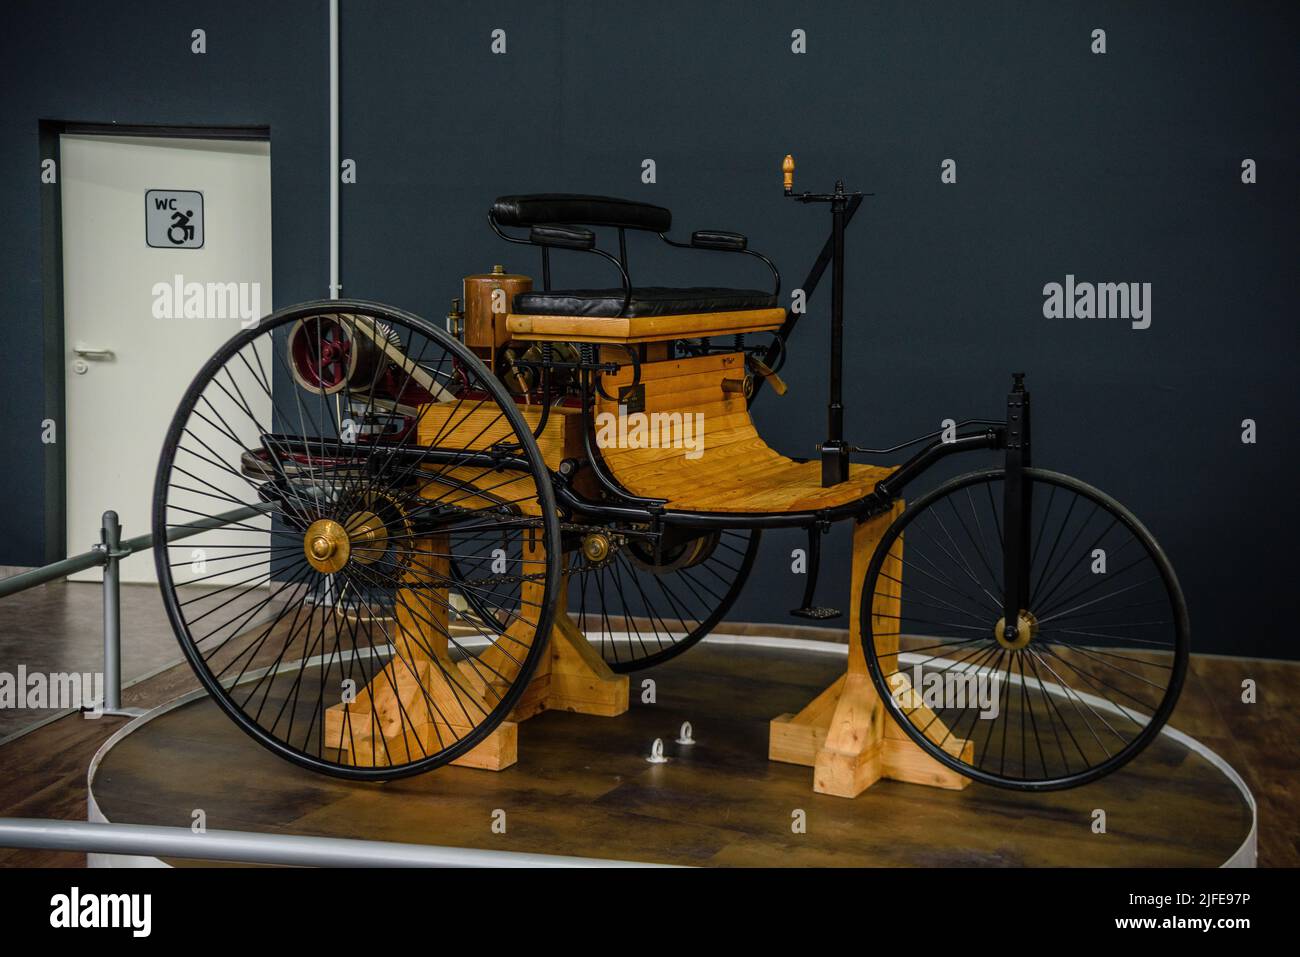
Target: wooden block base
[570, 677]
[864, 746]
[844, 734]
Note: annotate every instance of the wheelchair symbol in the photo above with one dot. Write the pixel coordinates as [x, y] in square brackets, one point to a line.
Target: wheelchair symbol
[180, 227]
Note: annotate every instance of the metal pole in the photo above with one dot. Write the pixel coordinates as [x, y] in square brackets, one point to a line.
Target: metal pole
[109, 552]
[110, 541]
[1017, 509]
[110, 537]
[835, 454]
[288, 849]
[48, 573]
[77, 563]
[335, 285]
[837, 319]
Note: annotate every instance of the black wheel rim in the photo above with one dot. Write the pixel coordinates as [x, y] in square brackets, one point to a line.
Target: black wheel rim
[325, 620]
[1098, 661]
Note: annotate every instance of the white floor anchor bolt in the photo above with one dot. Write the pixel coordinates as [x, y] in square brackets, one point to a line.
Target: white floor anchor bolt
[657, 752]
[684, 735]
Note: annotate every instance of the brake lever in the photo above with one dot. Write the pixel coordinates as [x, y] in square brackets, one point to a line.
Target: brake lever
[758, 367]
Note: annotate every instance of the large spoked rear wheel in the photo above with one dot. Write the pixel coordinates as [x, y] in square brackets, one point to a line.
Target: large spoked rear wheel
[1098, 658]
[640, 608]
[323, 473]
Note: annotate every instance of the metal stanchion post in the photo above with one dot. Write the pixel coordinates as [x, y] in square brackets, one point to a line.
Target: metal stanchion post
[111, 544]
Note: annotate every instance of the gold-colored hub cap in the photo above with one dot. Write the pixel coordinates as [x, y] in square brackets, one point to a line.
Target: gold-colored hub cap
[595, 547]
[326, 546]
[1026, 631]
[329, 545]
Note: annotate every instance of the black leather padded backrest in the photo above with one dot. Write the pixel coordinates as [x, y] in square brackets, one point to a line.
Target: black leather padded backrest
[575, 209]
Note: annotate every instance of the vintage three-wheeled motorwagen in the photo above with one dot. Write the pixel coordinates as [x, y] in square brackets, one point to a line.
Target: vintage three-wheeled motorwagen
[383, 542]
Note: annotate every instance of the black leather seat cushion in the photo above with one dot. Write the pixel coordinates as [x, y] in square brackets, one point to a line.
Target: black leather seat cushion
[646, 301]
[542, 209]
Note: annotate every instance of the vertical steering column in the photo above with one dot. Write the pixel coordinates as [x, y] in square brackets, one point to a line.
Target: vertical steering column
[835, 453]
[1017, 509]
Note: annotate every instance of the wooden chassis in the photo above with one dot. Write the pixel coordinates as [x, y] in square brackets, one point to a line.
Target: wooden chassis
[844, 733]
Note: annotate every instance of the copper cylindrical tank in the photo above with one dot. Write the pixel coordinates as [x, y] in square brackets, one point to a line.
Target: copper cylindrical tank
[486, 309]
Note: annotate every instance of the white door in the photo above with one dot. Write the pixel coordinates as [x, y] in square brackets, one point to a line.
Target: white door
[143, 220]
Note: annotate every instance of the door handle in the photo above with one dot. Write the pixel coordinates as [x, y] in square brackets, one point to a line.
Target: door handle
[87, 352]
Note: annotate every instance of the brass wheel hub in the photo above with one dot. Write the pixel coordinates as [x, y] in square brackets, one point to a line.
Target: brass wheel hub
[368, 537]
[1026, 631]
[329, 545]
[326, 546]
[595, 547]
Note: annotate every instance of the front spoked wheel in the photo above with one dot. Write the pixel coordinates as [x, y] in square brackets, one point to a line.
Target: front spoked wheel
[1097, 658]
[336, 481]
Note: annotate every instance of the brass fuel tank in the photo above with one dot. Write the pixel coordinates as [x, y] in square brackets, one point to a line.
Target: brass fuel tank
[488, 299]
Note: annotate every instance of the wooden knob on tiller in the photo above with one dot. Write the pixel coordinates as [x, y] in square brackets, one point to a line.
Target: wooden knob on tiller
[787, 173]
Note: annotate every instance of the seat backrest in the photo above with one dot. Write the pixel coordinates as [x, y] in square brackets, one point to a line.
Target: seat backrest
[537, 209]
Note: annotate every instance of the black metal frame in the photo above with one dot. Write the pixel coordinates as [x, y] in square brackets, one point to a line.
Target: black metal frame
[1017, 507]
[835, 451]
[1010, 436]
[776, 350]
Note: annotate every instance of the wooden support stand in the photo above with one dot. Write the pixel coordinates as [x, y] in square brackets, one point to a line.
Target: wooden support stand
[423, 700]
[844, 733]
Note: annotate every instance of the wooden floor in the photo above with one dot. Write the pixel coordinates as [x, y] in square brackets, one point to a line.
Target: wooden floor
[59, 627]
[582, 787]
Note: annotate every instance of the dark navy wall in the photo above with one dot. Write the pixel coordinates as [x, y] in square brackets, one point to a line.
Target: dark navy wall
[131, 64]
[1116, 167]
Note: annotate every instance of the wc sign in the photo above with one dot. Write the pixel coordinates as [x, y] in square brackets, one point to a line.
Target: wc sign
[173, 218]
